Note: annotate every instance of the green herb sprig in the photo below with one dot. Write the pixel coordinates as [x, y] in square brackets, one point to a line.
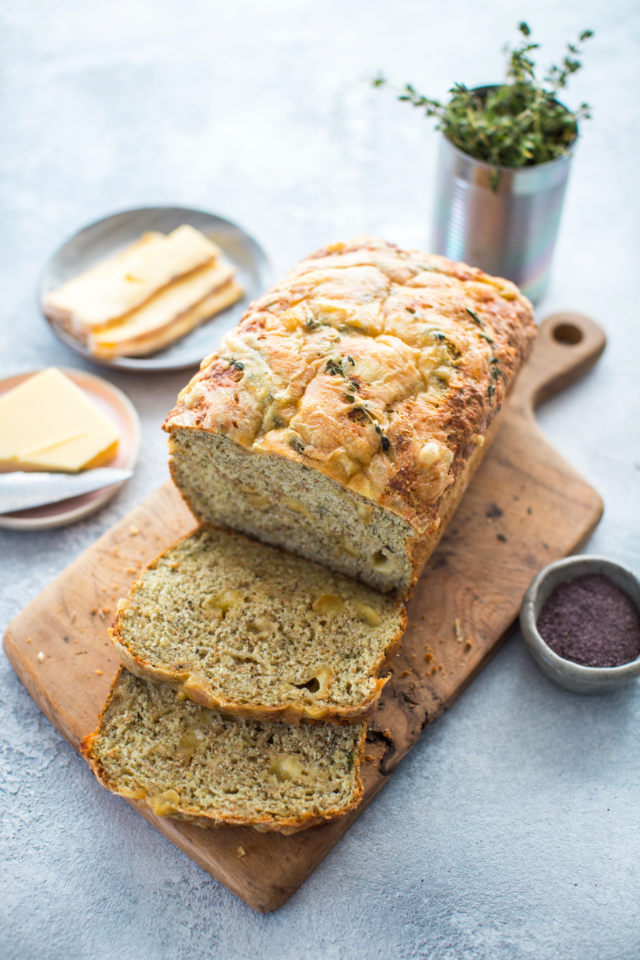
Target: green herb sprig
[496, 372]
[515, 124]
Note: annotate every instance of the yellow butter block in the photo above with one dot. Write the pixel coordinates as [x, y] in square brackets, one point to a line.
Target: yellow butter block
[49, 423]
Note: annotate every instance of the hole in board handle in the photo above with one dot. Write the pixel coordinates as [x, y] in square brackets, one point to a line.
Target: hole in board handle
[567, 333]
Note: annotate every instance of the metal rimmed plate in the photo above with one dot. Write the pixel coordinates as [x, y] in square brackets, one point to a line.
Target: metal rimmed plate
[108, 236]
[115, 405]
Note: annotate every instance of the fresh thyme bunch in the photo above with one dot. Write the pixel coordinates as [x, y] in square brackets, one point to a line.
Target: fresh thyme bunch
[517, 124]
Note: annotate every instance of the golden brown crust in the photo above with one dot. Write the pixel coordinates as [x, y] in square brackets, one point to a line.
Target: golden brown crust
[287, 826]
[194, 687]
[421, 548]
[379, 367]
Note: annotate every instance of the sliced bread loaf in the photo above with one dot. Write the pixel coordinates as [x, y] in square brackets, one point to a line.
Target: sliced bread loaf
[190, 763]
[242, 627]
[344, 416]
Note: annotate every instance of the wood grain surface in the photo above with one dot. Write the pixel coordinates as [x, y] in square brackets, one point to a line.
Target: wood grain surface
[524, 508]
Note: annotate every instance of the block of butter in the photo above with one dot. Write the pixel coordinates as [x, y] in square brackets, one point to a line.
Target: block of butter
[49, 423]
[108, 291]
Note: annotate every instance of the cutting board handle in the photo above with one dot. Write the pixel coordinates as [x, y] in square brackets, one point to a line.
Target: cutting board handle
[567, 346]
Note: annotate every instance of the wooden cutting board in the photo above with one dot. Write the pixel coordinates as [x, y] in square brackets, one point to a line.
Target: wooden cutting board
[524, 508]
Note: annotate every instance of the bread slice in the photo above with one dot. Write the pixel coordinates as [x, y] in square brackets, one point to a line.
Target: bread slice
[108, 291]
[239, 626]
[346, 413]
[193, 764]
[173, 312]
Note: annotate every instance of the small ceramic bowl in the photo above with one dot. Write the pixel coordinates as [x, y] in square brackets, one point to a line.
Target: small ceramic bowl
[574, 676]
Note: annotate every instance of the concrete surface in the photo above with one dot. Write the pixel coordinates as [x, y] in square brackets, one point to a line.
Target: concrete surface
[513, 829]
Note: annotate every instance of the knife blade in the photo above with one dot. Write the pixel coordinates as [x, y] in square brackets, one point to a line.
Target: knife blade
[20, 490]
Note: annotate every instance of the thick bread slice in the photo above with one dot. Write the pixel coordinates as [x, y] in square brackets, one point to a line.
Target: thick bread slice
[343, 415]
[190, 763]
[170, 314]
[112, 288]
[239, 626]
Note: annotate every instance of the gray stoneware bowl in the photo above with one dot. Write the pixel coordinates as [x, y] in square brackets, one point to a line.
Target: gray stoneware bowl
[573, 676]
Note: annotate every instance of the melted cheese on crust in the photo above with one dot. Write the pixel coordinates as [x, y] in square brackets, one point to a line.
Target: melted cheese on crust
[377, 366]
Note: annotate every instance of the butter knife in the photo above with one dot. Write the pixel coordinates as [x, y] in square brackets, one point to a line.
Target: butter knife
[20, 491]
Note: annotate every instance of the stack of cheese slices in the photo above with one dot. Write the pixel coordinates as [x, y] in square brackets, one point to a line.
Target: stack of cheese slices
[148, 295]
[339, 422]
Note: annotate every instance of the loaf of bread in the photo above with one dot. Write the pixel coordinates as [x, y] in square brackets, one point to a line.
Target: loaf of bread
[241, 627]
[183, 761]
[344, 416]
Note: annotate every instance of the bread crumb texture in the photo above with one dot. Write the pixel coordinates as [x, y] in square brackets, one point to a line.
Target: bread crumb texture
[364, 380]
[191, 763]
[240, 626]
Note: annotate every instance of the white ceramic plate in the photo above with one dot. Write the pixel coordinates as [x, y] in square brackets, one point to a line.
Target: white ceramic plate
[115, 405]
[105, 237]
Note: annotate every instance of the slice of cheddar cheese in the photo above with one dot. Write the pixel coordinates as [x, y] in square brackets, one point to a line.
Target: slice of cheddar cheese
[108, 291]
[48, 423]
[170, 314]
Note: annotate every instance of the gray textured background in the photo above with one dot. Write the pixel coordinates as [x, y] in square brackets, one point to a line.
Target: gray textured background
[512, 830]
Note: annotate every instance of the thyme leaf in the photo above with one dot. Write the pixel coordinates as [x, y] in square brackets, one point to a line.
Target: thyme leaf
[296, 444]
[496, 373]
[236, 364]
[333, 368]
[386, 445]
[474, 316]
[361, 413]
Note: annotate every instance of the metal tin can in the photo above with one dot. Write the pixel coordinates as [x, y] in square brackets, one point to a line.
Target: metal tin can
[509, 229]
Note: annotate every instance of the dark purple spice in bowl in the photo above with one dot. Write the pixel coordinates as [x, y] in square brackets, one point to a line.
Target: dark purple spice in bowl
[591, 621]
